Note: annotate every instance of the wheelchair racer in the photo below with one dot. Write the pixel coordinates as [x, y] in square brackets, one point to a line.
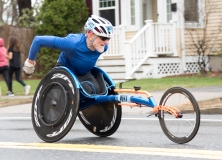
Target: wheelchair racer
[79, 52]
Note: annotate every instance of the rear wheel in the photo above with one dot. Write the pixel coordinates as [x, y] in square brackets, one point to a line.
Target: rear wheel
[102, 119]
[180, 130]
[55, 105]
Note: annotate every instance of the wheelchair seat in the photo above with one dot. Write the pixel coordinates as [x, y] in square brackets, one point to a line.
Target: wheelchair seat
[102, 85]
[100, 76]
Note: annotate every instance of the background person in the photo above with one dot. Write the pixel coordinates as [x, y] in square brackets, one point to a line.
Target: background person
[4, 65]
[79, 51]
[15, 63]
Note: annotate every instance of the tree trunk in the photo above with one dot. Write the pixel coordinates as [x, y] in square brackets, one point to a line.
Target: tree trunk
[1, 12]
[14, 12]
[22, 4]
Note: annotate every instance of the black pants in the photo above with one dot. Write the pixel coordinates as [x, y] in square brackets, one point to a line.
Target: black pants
[88, 82]
[17, 72]
[4, 72]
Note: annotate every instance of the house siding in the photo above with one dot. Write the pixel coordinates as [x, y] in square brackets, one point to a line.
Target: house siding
[130, 35]
[215, 63]
[154, 10]
[213, 25]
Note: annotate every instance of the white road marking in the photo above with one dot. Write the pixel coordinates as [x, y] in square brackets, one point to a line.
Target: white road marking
[139, 119]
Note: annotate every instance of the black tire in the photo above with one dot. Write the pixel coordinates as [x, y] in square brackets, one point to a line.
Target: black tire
[103, 119]
[180, 130]
[55, 105]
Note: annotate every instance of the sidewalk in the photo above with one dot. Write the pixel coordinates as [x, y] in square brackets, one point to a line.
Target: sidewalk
[15, 97]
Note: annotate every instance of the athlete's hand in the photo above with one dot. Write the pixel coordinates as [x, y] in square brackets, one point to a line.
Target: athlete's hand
[28, 68]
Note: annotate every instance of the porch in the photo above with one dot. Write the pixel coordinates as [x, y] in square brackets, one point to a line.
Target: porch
[151, 53]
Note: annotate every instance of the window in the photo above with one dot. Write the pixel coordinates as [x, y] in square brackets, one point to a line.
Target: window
[107, 10]
[169, 12]
[191, 10]
[132, 11]
[106, 3]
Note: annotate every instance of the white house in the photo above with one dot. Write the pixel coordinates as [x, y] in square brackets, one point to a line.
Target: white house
[150, 38]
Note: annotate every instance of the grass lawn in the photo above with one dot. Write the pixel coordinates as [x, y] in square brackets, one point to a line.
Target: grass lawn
[146, 84]
[17, 88]
[168, 82]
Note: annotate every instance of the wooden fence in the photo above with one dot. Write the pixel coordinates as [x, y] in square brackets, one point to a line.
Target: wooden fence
[25, 36]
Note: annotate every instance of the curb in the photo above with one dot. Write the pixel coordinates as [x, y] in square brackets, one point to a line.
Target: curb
[213, 110]
[16, 97]
[216, 110]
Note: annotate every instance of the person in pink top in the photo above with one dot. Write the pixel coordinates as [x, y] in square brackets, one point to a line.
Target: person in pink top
[4, 65]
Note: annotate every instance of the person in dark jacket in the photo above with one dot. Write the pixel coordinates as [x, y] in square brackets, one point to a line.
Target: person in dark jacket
[15, 63]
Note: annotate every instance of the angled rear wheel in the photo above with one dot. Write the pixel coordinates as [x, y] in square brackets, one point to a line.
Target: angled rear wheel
[102, 119]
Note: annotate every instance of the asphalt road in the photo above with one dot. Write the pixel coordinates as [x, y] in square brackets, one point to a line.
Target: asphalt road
[138, 137]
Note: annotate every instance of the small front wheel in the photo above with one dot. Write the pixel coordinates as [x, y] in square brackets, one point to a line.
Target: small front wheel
[180, 130]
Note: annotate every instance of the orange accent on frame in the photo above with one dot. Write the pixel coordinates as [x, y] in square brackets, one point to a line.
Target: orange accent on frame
[172, 110]
[133, 91]
[129, 104]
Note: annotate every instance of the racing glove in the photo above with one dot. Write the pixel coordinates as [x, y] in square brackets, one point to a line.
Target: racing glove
[28, 68]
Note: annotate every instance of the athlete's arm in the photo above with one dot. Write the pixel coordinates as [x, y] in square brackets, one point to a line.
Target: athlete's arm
[50, 42]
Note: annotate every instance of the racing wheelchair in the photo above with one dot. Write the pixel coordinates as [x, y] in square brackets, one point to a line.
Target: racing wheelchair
[60, 98]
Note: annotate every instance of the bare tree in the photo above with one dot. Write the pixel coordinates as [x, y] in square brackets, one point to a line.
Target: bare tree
[28, 18]
[11, 10]
[202, 27]
[8, 12]
[1, 12]
[14, 12]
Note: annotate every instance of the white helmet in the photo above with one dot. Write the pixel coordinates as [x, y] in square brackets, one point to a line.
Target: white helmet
[100, 26]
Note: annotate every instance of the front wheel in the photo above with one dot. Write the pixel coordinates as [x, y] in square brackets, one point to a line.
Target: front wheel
[180, 130]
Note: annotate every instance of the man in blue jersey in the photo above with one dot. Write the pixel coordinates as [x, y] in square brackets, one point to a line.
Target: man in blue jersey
[79, 51]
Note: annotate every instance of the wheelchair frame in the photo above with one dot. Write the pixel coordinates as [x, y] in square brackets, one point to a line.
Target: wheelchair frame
[84, 103]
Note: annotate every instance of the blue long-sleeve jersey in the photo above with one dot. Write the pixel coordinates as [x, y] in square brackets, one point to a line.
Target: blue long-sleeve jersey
[75, 54]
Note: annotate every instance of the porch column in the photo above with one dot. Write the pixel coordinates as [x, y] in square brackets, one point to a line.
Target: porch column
[125, 12]
[174, 37]
[150, 38]
[138, 14]
[161, 11]
[183, 52]
[95, 7]
[128, 60]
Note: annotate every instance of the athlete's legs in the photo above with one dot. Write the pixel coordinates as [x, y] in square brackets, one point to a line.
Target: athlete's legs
[89, 83]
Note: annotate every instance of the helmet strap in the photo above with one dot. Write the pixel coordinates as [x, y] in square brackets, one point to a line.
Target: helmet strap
[91, 41]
